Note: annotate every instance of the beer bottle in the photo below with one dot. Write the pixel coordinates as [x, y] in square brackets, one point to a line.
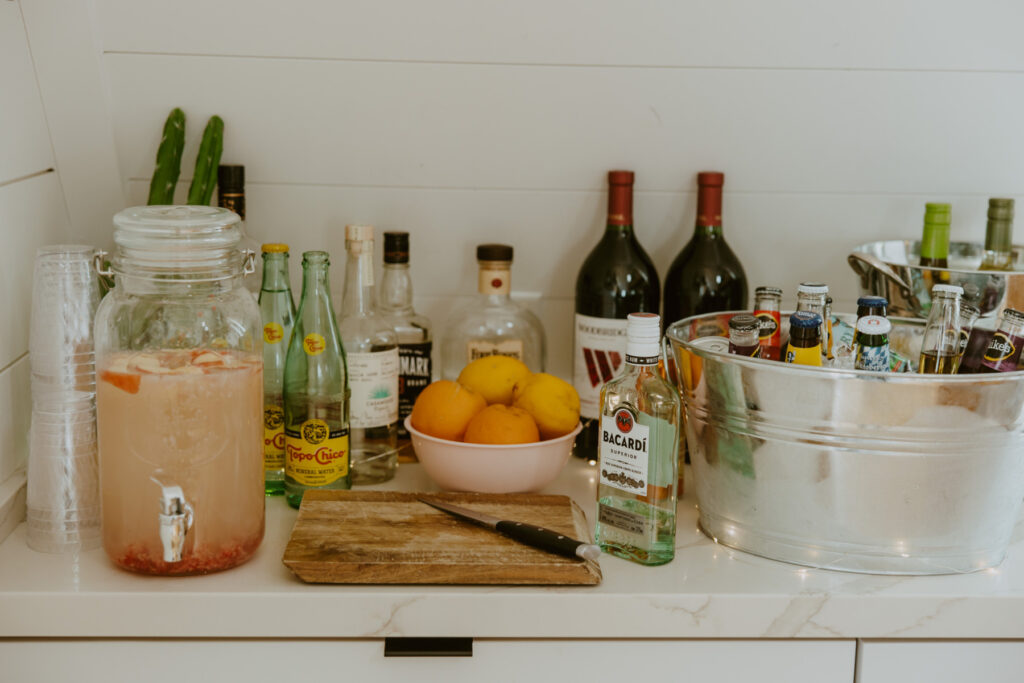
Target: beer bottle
[1003, 352]
[813, 297]
[872, 343]
[872, 305]
[940, 347]
[767, 307]
[743, 336]
[278, 311]
[804, 339]
[935, 238]
[969, 314]
[316, 393]
[998, 236]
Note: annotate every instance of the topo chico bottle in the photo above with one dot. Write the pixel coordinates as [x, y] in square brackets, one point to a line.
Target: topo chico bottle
[278, 313]
[316, 392]
[616, 279]
[639, 453]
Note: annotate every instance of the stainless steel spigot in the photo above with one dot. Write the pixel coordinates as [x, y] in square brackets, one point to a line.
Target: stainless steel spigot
[175, 520]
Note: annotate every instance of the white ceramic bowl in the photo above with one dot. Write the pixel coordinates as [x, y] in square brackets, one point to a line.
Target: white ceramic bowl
[490, 468]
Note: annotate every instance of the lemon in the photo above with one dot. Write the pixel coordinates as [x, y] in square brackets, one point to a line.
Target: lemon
[553, 403]
[493, 377]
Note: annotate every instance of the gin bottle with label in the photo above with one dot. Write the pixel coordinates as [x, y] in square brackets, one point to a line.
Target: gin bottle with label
[638, 453]
[278, 311]
[371, 349]
[415, 342]
[316, 439]
[492, 324]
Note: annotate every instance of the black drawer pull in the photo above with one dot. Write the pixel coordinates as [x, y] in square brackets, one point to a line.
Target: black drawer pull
[428, 647]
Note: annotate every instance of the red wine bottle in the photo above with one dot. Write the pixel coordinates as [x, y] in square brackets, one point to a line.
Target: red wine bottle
[616, 279]
[706, 276]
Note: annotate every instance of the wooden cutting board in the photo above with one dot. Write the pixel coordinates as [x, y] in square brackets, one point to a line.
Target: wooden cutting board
[390, 537]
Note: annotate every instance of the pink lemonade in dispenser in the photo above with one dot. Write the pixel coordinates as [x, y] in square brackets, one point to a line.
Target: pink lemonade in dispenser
[179, 434]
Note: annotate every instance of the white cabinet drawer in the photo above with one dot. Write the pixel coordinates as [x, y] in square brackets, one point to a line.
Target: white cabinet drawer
[255, 661]
[899, 661]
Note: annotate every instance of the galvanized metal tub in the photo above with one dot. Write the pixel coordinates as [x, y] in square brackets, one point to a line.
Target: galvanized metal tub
[889, 268]
[858, 471]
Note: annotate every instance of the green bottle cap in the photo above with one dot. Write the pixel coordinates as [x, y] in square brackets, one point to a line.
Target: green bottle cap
[999, 231]
[935, 238]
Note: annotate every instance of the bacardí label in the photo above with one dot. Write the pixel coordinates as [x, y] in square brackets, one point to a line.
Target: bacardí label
[624, 451]
[599, 354]
[316, 454]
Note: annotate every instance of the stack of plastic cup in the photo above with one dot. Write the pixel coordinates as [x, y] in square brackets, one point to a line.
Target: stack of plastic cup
[63, 476]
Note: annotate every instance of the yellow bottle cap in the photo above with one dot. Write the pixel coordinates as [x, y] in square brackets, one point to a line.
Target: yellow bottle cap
[275, 248]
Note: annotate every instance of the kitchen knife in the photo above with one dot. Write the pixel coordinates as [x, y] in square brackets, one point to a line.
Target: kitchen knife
[537, 536]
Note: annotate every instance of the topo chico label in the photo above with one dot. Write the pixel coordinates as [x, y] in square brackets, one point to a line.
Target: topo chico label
[624, 451]
[598, 357]
[273, 438]
[273, 333]
[316, 454]
[415, 372]
[314, 344]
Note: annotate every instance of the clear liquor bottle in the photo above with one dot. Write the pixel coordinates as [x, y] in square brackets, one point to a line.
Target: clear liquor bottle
[278, 317]
[231, 196]
[415, 341]
[371, 350]
[316, 393]
[492, 324]
[640, 418]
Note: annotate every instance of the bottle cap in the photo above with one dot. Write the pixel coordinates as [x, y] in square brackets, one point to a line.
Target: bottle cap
[743, 322]
[275, 248]
[773, 291]
[1000, 209]
[620, 177]
[396, 247]
[874, 324]
[231, 177]
[812, 288]
[805, 320]
[950, 289]
[710, 179]
[872, 301]
[938, 214]
[358, 233]
[643, 335]
[1014, 315]
[494, 252]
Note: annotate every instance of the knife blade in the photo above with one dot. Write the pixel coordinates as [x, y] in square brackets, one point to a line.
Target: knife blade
[536, 536]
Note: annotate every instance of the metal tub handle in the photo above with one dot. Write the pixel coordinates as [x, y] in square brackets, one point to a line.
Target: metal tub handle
[863, 264]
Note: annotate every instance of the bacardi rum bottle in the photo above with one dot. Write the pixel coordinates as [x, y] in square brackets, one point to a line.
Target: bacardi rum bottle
[639, 453]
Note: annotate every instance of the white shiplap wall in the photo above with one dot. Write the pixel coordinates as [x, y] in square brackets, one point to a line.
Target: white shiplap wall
[32, 213]
[468, 121]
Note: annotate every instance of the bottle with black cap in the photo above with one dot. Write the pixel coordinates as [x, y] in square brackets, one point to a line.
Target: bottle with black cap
[415, 341]
[492, 324]
[231, 196]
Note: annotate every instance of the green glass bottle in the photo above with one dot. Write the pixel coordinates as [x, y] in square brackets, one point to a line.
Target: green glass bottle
[935, 238]
[316, 392]
[278, 311]
[999, 236]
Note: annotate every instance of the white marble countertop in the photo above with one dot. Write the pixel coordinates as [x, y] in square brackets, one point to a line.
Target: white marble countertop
[708, 591]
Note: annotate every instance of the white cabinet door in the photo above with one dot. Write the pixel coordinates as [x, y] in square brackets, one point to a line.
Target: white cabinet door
[896, 661]
[255, 661]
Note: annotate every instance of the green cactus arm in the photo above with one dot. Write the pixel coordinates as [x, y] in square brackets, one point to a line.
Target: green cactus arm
[168, 159]
[205, 177]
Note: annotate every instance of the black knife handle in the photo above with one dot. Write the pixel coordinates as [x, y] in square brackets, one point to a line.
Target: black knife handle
[539, 537]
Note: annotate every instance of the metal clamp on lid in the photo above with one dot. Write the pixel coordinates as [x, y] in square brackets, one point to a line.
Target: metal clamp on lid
[175, 520]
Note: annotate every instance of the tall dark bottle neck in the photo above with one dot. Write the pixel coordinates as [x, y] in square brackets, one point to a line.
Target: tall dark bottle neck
[709, 211]
[620, 209]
